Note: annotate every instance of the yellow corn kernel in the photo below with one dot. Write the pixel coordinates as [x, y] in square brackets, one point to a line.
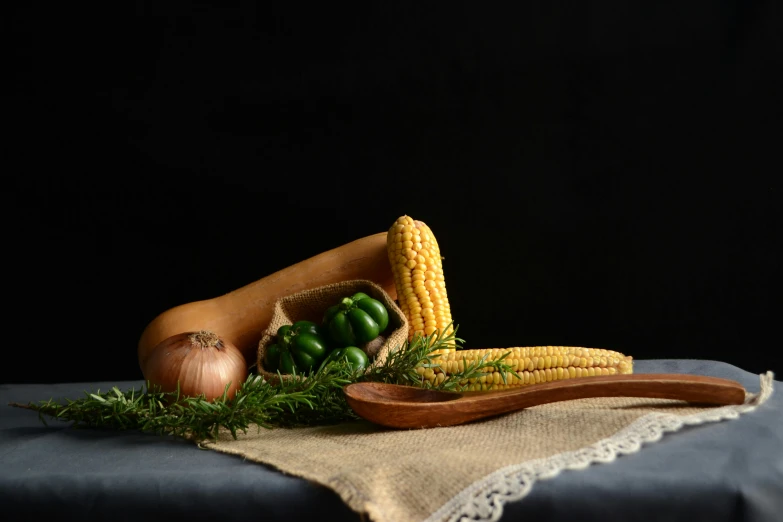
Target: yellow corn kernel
[534, 364]
[417, 267]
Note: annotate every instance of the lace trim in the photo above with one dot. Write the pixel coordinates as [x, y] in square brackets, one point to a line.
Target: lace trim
[484, 499]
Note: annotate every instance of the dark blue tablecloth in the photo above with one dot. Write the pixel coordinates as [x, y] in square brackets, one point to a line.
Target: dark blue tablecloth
[725, 472]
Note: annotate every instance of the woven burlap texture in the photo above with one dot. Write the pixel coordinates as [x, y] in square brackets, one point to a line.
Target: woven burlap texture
[470, 470]
[310, 305]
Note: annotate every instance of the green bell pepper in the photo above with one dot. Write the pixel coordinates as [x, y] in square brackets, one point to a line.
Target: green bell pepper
[300, 347]
[356, 320]
[356, 358]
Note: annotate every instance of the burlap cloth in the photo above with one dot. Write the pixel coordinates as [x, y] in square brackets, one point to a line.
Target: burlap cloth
[471, 470]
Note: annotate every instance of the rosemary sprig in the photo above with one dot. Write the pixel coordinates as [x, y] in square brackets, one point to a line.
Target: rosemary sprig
[311, 400]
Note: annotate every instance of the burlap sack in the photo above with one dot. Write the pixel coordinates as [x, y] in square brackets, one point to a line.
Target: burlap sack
[310, 305]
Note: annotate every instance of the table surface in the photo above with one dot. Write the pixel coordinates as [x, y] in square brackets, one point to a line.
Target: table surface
[726, 471]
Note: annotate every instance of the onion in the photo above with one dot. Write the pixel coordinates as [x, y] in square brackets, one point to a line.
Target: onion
[202, 362]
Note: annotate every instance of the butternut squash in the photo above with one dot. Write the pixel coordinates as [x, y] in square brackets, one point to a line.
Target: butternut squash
[242, 315]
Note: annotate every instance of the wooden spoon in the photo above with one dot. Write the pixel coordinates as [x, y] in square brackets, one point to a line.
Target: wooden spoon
[398, 406]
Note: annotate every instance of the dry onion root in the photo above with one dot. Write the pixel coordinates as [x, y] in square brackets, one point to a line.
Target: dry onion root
[202, 362]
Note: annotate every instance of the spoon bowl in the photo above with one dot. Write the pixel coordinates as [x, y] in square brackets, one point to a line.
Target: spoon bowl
[410, 407]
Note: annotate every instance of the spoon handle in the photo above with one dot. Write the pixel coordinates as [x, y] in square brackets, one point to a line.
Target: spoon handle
[691, 388]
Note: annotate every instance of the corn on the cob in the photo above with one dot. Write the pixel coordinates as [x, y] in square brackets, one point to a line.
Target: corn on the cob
[533, 365]
[417, 266]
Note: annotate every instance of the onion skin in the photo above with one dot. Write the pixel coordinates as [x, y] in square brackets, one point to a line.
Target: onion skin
[202, 362]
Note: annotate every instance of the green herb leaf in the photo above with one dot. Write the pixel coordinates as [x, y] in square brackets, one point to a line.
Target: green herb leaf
[316, 399]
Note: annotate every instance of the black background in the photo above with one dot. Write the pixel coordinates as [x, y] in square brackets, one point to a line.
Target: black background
[597, 173]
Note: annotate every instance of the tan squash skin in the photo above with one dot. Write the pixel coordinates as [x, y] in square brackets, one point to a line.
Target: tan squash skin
[242, 315]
